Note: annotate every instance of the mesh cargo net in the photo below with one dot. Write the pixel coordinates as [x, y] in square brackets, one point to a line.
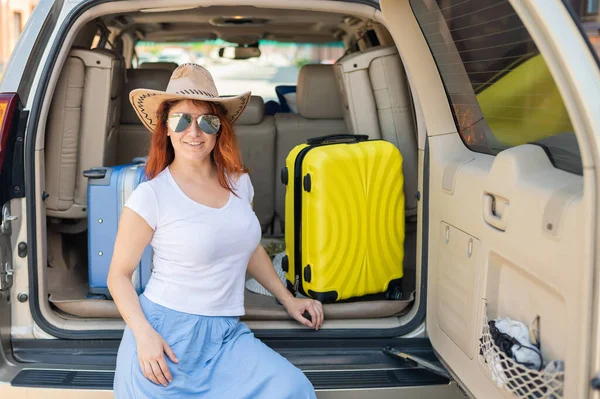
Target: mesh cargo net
[518, 379]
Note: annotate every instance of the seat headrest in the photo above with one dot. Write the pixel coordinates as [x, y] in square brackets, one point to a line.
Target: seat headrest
[254, 112]
[318, 95]
[155, 79]
[169, 66]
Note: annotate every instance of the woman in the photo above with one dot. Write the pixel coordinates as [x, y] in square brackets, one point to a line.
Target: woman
[183, 336]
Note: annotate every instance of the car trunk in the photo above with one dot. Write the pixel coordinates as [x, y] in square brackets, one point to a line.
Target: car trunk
[64, 278]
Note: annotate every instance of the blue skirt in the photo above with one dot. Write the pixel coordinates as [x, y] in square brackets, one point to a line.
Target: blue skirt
[219, 357]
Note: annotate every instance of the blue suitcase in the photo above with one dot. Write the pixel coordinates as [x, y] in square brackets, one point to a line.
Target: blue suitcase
[108, 190]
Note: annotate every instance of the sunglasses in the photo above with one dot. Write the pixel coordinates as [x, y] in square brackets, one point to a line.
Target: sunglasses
[180, 122]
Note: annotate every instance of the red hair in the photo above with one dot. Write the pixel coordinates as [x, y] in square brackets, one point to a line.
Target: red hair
[226, 154]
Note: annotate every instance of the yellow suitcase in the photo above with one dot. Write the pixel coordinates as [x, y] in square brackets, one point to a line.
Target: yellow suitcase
[344, 218]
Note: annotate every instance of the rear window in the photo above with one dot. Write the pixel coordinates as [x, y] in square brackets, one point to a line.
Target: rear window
[278, 64]
[499, 87]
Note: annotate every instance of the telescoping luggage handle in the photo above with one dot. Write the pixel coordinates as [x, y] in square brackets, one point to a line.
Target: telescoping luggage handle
[335, 138]
[332, 138]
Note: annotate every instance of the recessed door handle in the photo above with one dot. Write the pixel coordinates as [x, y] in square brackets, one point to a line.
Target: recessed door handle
[491, 211]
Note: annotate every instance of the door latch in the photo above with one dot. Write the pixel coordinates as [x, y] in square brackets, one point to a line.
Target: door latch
[6, 266]
[6, 276]
[6, 219]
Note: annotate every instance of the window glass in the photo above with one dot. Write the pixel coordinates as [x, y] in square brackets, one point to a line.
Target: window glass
[277, 65]
[499, 86]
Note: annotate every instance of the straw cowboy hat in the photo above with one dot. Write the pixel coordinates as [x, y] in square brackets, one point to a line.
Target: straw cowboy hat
[188, 82]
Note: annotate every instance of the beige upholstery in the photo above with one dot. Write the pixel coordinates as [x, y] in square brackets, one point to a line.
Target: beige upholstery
[376, 102]
[319, 114]
[169, 66]
[82, 127]
[254, 113]
[317, 93]
[68, 289]
[134, 137]
[62, 136]
[256, 138]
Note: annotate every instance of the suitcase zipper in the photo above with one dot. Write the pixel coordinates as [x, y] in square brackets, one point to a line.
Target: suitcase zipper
[298, 218]
[296, 284]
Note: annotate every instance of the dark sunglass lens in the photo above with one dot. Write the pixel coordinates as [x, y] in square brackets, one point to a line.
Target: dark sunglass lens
[209, 124]
[179, 122]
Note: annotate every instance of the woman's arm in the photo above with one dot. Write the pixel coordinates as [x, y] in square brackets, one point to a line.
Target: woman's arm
[261, 268]
[133, 236]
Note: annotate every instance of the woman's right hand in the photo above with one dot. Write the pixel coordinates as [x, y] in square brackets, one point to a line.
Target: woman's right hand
[151, 349]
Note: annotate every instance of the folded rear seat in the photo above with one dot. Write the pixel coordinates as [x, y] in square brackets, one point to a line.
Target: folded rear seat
[82, 128]
[376, 101]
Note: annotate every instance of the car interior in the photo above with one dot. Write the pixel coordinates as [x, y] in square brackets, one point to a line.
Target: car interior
[91, 123]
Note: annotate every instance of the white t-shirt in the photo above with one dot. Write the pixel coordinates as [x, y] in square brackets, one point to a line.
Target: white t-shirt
[200, 253]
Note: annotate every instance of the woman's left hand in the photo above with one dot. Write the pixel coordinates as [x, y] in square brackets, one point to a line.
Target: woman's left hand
[297, 306]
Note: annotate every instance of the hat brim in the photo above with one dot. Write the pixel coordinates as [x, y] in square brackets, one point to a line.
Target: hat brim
[145, 102]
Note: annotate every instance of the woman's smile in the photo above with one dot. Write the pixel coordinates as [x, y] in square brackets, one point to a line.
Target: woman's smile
[193, 143]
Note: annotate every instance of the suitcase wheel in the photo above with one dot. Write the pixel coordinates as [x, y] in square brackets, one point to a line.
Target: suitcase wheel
[284, 175]
[307, 274]
[324, 297]
[285, 264]
[307, 183]
[394, 291]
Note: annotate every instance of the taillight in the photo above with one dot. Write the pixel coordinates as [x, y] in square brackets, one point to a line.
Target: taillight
[8, 104]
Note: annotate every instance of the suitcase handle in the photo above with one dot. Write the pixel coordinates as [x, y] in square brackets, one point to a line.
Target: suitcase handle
[344, 138]
[94, 173]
